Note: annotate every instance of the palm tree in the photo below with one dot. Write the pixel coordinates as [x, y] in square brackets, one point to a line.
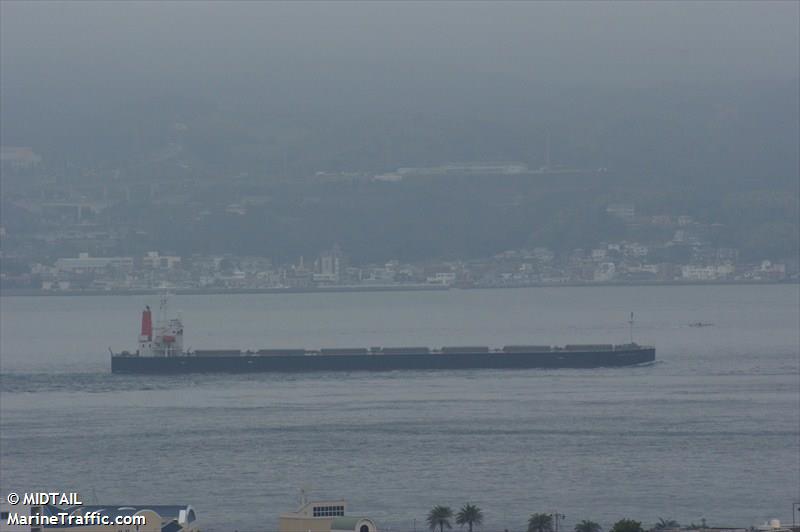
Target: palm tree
[439, 517]
[469, 515]
[588, 526]
[664, 524]
[540, 523]
[627, 525]
[701, 525]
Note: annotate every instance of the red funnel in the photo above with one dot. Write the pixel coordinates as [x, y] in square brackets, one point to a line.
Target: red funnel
[147, 324]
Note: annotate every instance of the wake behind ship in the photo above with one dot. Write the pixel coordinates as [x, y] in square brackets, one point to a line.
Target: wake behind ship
[161, 352]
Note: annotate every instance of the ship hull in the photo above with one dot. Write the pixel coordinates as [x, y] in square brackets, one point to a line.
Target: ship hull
[253, 363]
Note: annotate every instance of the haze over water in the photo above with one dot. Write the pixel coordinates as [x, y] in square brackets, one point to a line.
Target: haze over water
[710, 430]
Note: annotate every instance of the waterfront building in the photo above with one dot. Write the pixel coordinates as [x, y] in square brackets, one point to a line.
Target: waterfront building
[157, 518]
[154, 260]
[85, 263]
[324, 516]
[15, 157]
[442, 278]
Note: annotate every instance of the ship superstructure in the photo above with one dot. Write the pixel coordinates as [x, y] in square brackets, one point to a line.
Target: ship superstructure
[163, 340]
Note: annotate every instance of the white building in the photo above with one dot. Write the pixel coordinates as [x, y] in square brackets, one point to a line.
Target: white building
[443, 278]
[624, 211]
[467, 168]
[84, 263]
[18, 157]
[544, 254]
[605, 272]
[55, 285]
[599, 254]
[324, 516]
[153, 260]
[692, 272]
[391, 177]
[325, 278]
[773, 525]
[635, 249]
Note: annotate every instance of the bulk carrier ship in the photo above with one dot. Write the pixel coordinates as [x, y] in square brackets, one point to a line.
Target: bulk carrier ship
[161, 352]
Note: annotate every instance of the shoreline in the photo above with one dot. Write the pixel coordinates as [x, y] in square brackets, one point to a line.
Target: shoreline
[26, 292]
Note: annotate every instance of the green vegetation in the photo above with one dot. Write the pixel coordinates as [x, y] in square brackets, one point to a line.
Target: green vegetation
[540, 523]
[450, 218]
[469, 515]
[627, 525]
[588, 526]
[664, 524]
[439, 517]
[734, 170]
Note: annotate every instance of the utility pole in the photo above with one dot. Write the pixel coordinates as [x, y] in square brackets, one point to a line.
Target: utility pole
[557, 517]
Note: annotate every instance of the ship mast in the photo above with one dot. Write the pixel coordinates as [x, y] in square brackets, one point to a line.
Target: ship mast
[162, 307]
[630, 323]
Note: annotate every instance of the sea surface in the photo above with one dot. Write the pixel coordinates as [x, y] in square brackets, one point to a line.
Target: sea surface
[711, 430]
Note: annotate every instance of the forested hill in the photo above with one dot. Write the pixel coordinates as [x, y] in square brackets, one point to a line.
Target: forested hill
[700, 133]
[726, 154]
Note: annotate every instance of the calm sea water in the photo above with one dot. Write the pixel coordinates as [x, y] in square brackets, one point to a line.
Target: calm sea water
[711, 430]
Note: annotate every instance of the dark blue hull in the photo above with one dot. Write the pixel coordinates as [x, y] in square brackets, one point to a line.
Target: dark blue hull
[252, 363]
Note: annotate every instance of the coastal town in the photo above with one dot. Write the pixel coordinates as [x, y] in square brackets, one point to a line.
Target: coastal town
[684, 258]
[615, 263]
[333, 230]
[59, 238]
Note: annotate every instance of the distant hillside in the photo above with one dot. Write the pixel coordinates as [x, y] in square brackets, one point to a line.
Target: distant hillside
[691, 134]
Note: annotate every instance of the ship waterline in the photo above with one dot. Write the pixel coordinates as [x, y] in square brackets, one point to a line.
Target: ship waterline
[161, 351]
[435, 360]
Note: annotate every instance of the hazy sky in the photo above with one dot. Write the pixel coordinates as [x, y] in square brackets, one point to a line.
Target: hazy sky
[76, 44]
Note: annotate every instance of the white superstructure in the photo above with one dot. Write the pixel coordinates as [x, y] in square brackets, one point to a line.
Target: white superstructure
[165, 338]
